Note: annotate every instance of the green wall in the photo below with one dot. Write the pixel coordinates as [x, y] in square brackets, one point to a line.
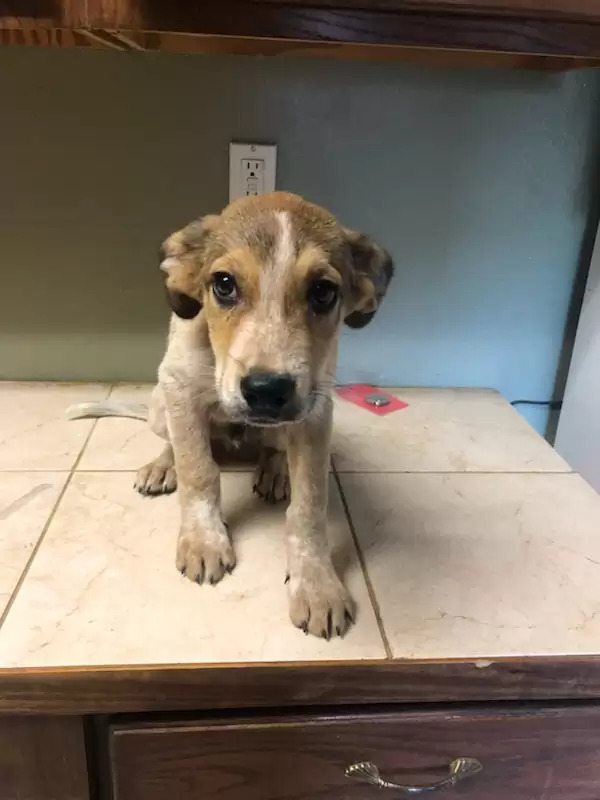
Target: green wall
[482, 183]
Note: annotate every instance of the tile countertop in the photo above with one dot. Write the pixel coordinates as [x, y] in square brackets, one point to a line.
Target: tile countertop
[459, 531]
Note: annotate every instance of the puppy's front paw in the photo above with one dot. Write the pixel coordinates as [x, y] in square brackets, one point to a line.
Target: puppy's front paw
[319, 603]
[204, 558]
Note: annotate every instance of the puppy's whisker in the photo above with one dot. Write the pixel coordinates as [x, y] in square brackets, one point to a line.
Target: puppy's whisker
[326, 385]
[325, 395]
[327, 380]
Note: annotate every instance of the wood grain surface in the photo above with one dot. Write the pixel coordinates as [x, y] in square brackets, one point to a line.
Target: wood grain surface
[166, 42]
[566, 9]
[42, 758]
[549, 753]
[533, 27]
[160, 688]
[472, 31]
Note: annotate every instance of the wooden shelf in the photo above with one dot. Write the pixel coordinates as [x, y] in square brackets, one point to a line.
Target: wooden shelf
[554, 34]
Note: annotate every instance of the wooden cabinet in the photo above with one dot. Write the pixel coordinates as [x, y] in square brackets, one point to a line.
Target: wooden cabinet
[546, 752]
[43, 758]
[538, 749]
[526, 33]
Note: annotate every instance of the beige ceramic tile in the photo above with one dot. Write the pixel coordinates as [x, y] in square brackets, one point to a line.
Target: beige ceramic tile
[122, 443]
[442, 430]
[35, 433]
[103, 588]
[127, 444]
[26, 501]
[481, 565]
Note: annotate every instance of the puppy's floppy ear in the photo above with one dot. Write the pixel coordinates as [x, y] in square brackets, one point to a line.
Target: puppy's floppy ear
[182, 258]
[371, 273]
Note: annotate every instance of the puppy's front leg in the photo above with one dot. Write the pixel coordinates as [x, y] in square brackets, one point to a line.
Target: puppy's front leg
[319, 603]
[204, 551]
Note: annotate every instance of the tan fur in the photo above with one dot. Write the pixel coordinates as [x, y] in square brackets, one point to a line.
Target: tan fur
[275, 247]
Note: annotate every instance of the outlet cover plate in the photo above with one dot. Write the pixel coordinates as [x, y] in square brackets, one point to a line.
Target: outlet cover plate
[240, 152]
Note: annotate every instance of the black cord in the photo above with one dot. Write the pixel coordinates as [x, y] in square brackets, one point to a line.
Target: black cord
[553, 405]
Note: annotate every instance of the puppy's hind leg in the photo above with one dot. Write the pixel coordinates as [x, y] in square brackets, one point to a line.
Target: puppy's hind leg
[158, 476]
[271, 477]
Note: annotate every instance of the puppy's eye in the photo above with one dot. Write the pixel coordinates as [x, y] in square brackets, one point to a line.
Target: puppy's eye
[322, 296]
[225, 289]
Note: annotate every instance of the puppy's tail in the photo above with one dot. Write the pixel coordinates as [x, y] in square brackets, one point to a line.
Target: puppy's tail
[108, 408]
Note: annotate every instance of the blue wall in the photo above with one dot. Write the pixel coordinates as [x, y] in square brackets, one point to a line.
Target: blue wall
[480, 182]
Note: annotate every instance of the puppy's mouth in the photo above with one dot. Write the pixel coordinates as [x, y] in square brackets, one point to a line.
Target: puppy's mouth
[269, 422]
[269, 417]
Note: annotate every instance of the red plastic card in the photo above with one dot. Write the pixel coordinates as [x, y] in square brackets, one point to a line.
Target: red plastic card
[371, 398]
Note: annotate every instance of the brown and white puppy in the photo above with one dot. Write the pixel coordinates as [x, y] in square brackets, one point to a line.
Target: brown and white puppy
[259, 293]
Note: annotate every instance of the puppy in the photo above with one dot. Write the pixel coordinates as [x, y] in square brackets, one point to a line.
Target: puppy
[259, 293]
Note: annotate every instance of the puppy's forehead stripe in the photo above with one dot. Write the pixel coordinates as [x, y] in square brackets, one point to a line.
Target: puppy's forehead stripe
[277, 265]
[285, 247]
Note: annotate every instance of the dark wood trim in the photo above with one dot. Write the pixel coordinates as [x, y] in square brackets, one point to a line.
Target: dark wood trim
[424, 56]
[56, 37]
[141, 689]
[359, 26]
[27, 14]
[553, 9]
[526, 27]
[43, 758]
[140, 14]
[197, 43]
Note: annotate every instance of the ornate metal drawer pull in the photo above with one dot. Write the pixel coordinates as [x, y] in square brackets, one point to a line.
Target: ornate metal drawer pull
[459, 769]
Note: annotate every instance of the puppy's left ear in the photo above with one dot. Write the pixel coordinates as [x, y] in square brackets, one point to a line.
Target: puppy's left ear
[182, 258]
[371, 273]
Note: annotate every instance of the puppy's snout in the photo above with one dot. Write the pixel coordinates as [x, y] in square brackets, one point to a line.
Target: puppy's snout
[268, 394]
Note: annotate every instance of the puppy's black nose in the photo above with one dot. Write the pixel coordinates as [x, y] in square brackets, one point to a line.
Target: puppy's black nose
[268, 393]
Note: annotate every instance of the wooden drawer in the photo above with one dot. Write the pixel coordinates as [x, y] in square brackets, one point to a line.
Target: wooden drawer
[549, 753]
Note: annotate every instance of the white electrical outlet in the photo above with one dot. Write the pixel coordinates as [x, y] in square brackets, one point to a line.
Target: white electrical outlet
[253, 176]
[251, 169]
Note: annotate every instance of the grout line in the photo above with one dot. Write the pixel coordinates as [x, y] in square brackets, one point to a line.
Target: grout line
[131, 470]
[26, 471]
[109, 387]
[250, 468]
[42, 535]
[454, 472]
[363, 566]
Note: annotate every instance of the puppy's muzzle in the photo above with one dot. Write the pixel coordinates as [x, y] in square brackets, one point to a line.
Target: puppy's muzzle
[270, 396]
